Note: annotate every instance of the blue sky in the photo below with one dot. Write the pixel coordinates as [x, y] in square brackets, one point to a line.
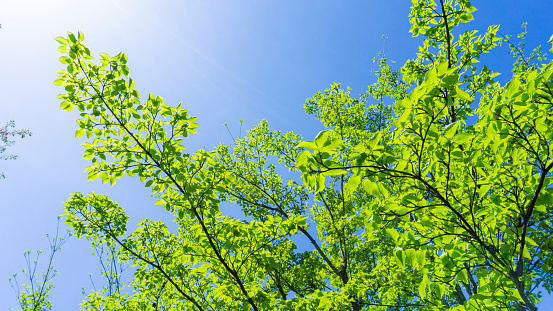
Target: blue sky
[225, 60]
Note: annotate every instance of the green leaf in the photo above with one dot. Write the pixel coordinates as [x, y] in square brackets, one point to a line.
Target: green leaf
[398, 255]
[303, 158]
[422, 286]
[71, 38]
[79, 133]
[470, 8]
[393, 233]
[404, 116]
[63, 49]
[410, 256]
[65, 60]
[307, 145]
[332, 145]
[92, 176]
[66, 106]
[104, 56]
[382, 190]
[370, 187]
[462, 138]
[104, 176]
[512, 87]
[322, 138]
[334, 172]
[526, 253]
[465, 18]
[459, 93]
[353, 183]
[530, 241]
[319, 183]
[61, 40]
[420, 258]
[451, 129]
[450, 80]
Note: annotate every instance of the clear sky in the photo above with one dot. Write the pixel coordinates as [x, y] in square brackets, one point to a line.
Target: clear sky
[225, 60]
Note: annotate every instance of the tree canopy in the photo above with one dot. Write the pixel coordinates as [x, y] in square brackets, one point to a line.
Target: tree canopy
[437, 200]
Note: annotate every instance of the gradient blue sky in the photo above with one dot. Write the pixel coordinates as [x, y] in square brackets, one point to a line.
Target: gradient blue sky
[225, 60]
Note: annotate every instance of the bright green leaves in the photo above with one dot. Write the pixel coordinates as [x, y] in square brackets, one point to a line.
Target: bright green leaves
[81, 36]
[64, 59]
[315, 183]
[461, 94]
[325, 145]
[96, 217]
[413, 258]
[436, 21]
[71, 38]
[124, 128]
[373, 188]
[353, 183]
[62, 40]
[324, 142]
[350, 118]
[307, 145]
[79, 133]
[251, 178]
[395, 235]
[429, 17]
[323, 138]
[455, 199]
[436, 214]
[451, 129]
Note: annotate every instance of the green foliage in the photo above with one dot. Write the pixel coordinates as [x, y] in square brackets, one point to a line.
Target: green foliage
[407, 206]
[473, 198]
[525, 63]
[35, 294]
